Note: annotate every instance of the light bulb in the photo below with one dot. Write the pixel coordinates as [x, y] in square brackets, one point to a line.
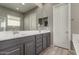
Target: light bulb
[23, 3]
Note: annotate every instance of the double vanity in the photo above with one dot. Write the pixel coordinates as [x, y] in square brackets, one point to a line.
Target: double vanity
[24, 42]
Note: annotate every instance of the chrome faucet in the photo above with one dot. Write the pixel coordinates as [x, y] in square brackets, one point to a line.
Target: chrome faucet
[15, 32]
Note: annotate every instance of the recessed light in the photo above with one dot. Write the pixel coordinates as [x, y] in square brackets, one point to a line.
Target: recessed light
[17, 8]
[23, 3]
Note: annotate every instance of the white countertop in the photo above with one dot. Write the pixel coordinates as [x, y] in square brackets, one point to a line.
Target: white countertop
[9, 34]
[75, 40]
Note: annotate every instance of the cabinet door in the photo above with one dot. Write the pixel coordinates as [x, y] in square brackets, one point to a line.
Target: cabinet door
[30, 45]
[38, 43]
[48, 39]
[44, 42]
[30, 48]
[38, 50]
[15, 50]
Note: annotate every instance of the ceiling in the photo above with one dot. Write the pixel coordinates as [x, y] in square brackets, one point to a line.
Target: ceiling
[20, 7]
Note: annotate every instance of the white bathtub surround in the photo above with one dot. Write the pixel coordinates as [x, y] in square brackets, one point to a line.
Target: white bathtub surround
[6, 35]
[75, 40]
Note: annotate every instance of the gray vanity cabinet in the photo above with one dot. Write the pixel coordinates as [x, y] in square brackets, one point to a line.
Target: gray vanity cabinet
[30, 45]
[10, 47]
[38, 43]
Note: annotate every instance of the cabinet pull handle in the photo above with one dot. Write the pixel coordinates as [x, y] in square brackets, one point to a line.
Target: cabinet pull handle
[13, 51]
[9, 52]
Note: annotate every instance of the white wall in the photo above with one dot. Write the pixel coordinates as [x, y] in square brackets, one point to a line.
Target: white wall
[75, 17]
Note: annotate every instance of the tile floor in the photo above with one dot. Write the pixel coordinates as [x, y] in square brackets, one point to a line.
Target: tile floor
[55, 51]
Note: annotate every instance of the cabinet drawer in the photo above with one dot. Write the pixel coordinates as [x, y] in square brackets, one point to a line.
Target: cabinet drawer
[38, 41]
[38, 36]
[45, 35]
[29, 39]
[14, 50]
[8, 43]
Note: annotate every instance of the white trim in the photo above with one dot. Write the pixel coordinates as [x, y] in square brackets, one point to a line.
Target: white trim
[69, 7]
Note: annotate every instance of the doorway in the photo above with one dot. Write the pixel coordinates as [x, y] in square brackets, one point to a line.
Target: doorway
[61, 25]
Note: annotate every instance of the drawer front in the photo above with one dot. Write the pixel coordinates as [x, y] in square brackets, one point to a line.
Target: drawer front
[26, 39]
[14, 50]
[38, 36]
[45, 35]
[29, 39]
[8, 43]
[39, 40]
